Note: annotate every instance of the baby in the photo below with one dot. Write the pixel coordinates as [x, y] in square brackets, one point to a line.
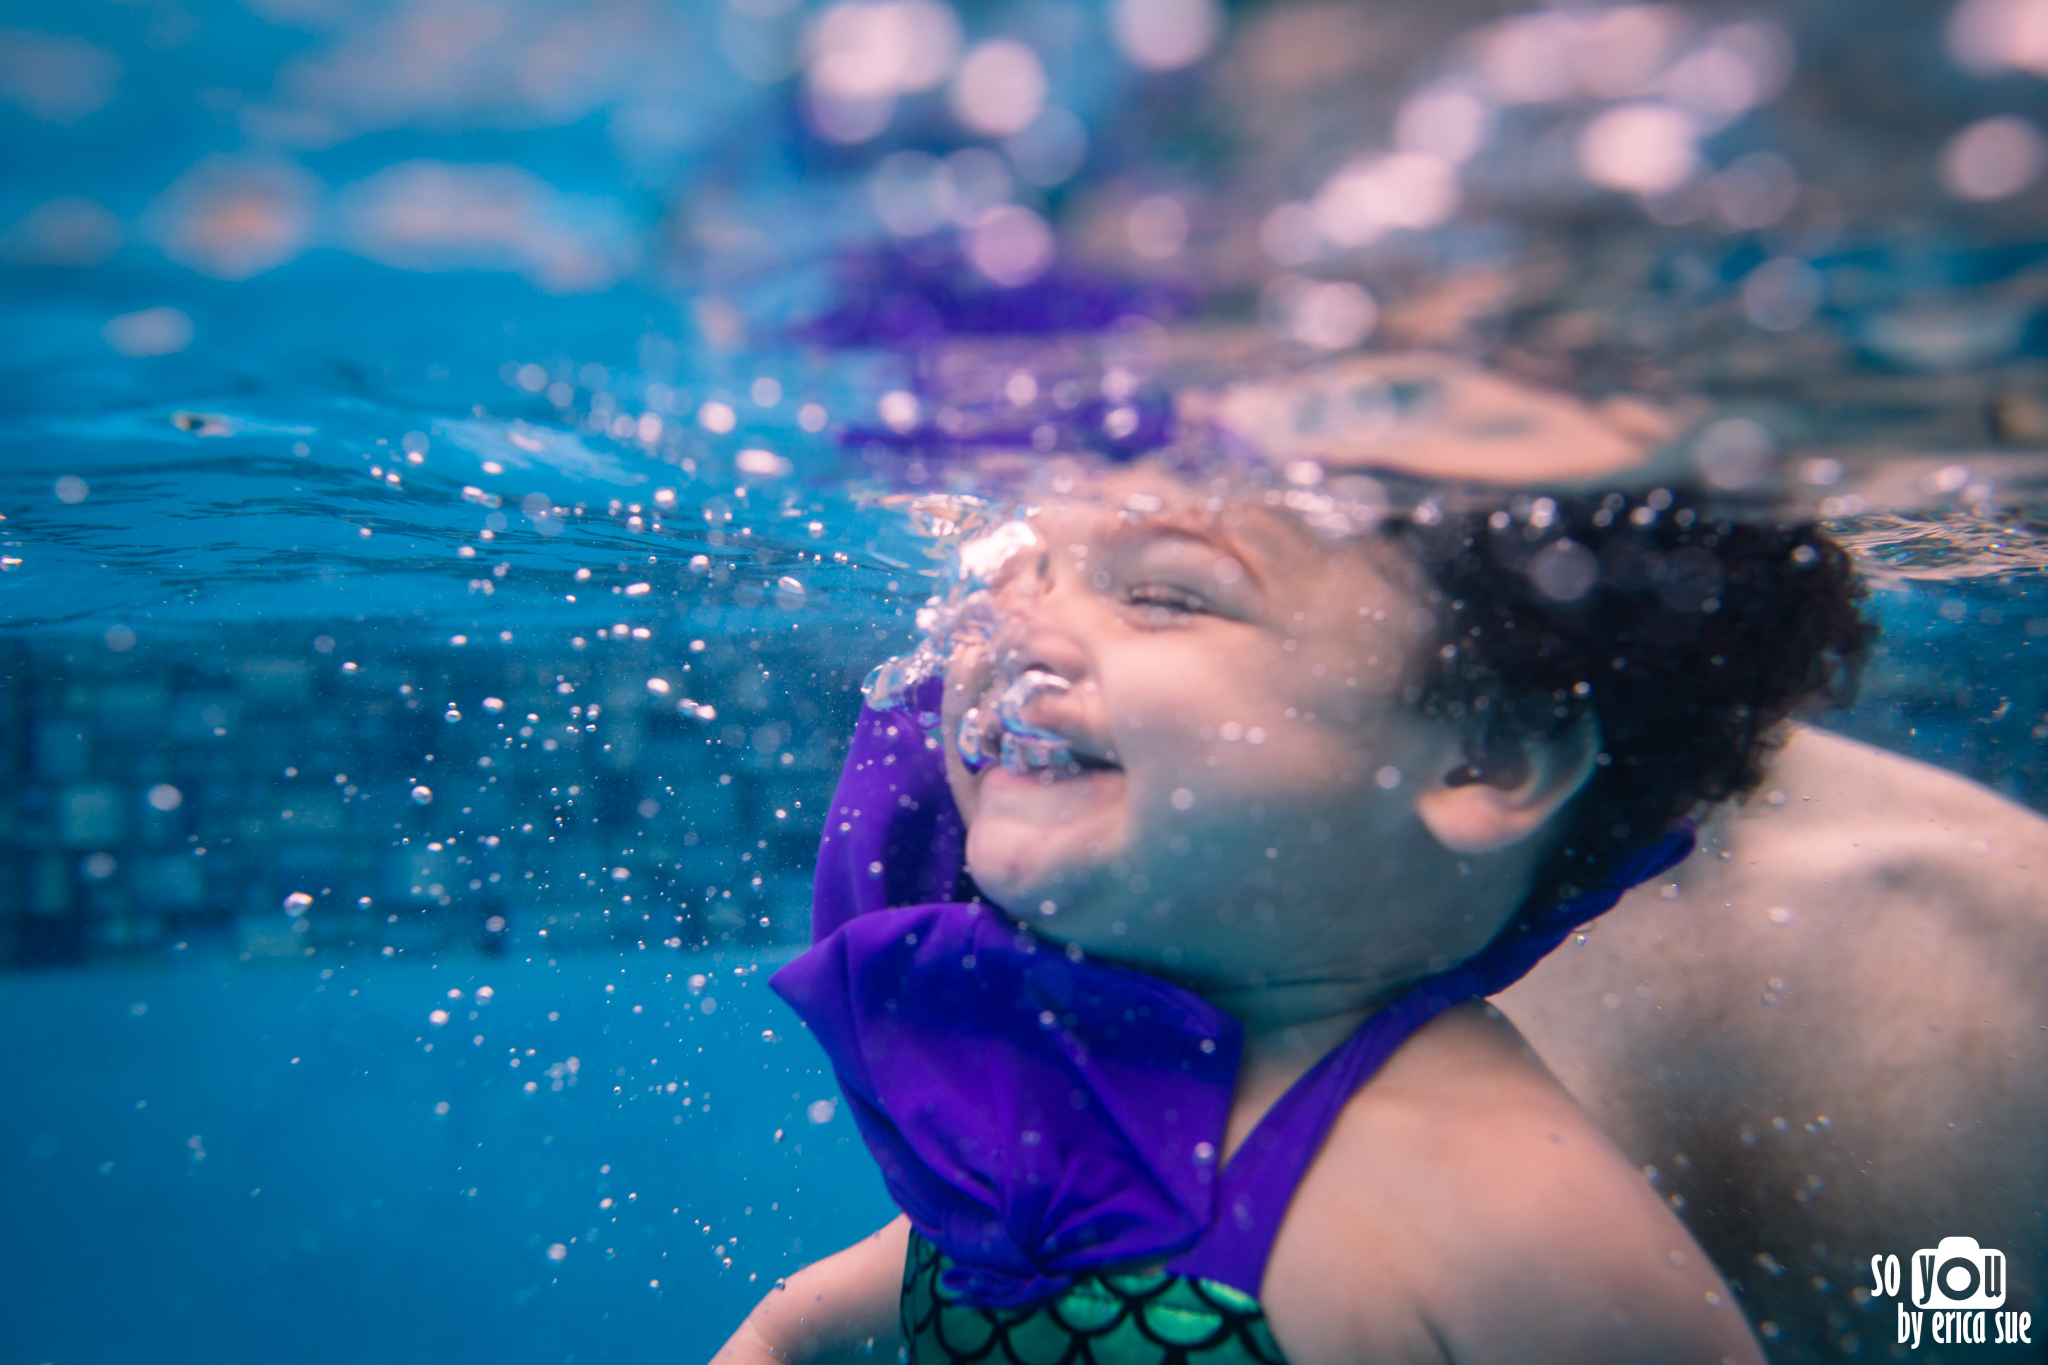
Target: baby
[1195, 1062]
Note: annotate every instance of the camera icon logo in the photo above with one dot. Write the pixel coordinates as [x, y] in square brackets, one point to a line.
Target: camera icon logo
[1958, 1274]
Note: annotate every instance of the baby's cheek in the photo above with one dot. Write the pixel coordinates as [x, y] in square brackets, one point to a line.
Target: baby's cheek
[1278, 753]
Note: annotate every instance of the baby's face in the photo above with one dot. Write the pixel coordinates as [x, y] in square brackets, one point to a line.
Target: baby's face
[1239, 804]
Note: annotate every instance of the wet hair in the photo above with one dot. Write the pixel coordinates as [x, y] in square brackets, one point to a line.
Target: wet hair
[1689, 636]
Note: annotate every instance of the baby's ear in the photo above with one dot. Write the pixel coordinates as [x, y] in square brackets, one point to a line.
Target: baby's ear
[1523, 783]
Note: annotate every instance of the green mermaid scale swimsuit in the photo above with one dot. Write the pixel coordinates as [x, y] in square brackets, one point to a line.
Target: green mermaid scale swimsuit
[1103, 1319]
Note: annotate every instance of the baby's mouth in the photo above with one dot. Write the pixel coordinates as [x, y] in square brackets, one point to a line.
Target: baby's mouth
[997, 732]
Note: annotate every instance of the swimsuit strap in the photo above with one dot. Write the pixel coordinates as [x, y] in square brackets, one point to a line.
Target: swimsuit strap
[1258, 1183]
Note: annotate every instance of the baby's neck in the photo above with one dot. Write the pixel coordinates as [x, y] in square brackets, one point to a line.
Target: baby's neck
[1288, 1028]
[1284, 1016]
[1278, 1051]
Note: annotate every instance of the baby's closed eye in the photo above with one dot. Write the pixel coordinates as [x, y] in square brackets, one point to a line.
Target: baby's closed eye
[1163, 603]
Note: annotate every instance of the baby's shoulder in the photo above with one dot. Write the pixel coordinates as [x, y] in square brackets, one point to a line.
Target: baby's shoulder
[1464, 1208]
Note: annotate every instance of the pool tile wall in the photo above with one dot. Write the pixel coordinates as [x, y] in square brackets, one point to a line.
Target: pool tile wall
[179, 800]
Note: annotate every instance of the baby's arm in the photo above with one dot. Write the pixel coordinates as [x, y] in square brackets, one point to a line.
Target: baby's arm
[1464, 1210]
[1599, 1272]
[844, 1308]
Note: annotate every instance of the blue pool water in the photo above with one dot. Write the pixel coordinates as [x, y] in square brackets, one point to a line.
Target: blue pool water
[204, 1162]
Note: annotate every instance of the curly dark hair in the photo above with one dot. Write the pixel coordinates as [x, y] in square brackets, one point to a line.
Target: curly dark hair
[1689, 635]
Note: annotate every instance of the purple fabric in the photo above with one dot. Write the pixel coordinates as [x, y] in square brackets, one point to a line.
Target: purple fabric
[902, 297]
[894, 836]
[1034, 1116]
[1037, 1117]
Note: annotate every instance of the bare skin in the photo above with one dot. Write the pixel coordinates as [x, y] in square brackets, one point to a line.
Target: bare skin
[1866, 1071]
[842, 1308]
[1464, 1209]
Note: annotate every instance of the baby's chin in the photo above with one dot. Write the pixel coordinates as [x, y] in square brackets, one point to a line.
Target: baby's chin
[1028, 850]
[1056, 891]
[1095, 911]
[1204, 942]
[1031, 891]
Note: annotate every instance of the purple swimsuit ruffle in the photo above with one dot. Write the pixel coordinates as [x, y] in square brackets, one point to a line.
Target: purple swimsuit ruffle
[1039, 1117]
[1036, 1117]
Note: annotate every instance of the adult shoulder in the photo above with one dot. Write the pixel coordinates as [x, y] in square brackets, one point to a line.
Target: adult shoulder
[1826, 1031]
